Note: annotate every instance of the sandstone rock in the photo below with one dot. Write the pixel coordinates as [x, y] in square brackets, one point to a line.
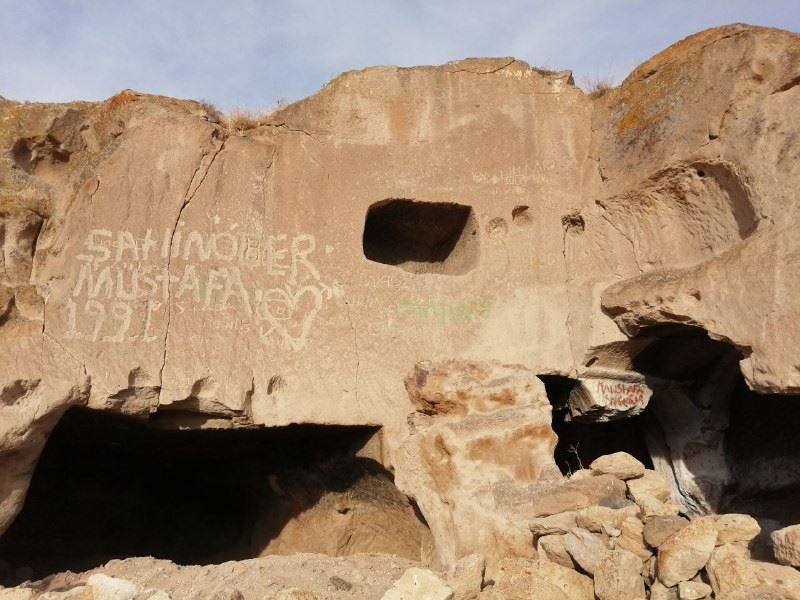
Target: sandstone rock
[466, 580]
[734, 528]
[585, 548]
[786, 545]
[16, 594]
[761, 592]
[734, 575]
[111, 588]
[602, 519]
[692, 461]
[653, 495]
[418, 584]
[553, 548]
[352, 500]
[461, 388]
[617, 576]
[519, 578]
[650, 484]
[658, 591]
[574, 495]
[555, 524]
[631, 538]
[572, 584]
[472, 475]
[607, 399]
[684, 553]
[693, 590]
[658, 528]
[620, 464]
[581, 474]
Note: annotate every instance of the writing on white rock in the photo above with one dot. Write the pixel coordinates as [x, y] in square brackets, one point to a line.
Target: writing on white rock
[267, 284]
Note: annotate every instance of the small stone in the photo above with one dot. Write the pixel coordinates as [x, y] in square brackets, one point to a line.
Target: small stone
[602, 519]
[577, 494]
[734, 528]
[620, 464]
[652, 484]
[573, 584]
[693, 590]
[559, 523]
[733, 575]
[658, 591]
[653, 495]
[631, 538]
[786, 545]
[617, 576]
[552, 548]
[658, 528]
[418, 584]
[520, 578]
[684, 553]
[585, 548]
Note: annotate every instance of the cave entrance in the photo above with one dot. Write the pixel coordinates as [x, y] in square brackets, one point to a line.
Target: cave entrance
[579, 442]
[721, 446]
[728, 448]
[422, 237]
[108, 486]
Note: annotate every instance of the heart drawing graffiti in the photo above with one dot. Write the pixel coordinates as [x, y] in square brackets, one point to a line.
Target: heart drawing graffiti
[290, 313]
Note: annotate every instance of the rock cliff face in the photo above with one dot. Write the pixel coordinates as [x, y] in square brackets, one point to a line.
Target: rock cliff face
[426, 240]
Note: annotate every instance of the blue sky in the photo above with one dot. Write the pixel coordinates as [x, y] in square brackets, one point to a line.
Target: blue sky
[249, 53]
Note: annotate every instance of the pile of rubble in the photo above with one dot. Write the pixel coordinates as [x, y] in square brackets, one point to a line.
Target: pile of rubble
[613, 532]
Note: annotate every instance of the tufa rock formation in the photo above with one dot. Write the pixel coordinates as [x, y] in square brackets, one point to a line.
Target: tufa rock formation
[466, 318]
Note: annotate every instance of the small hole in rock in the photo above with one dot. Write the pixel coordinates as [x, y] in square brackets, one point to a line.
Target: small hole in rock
[521, 216]
[573, 222]
[422, 237]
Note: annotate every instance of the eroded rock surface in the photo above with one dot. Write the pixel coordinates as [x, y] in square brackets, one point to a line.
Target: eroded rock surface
[409, 249]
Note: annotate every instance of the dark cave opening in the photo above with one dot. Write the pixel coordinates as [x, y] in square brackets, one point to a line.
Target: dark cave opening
[580, 443]
[679, 353]
[738, 444]
[438, 237]
[763, 455]
[108, 486]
